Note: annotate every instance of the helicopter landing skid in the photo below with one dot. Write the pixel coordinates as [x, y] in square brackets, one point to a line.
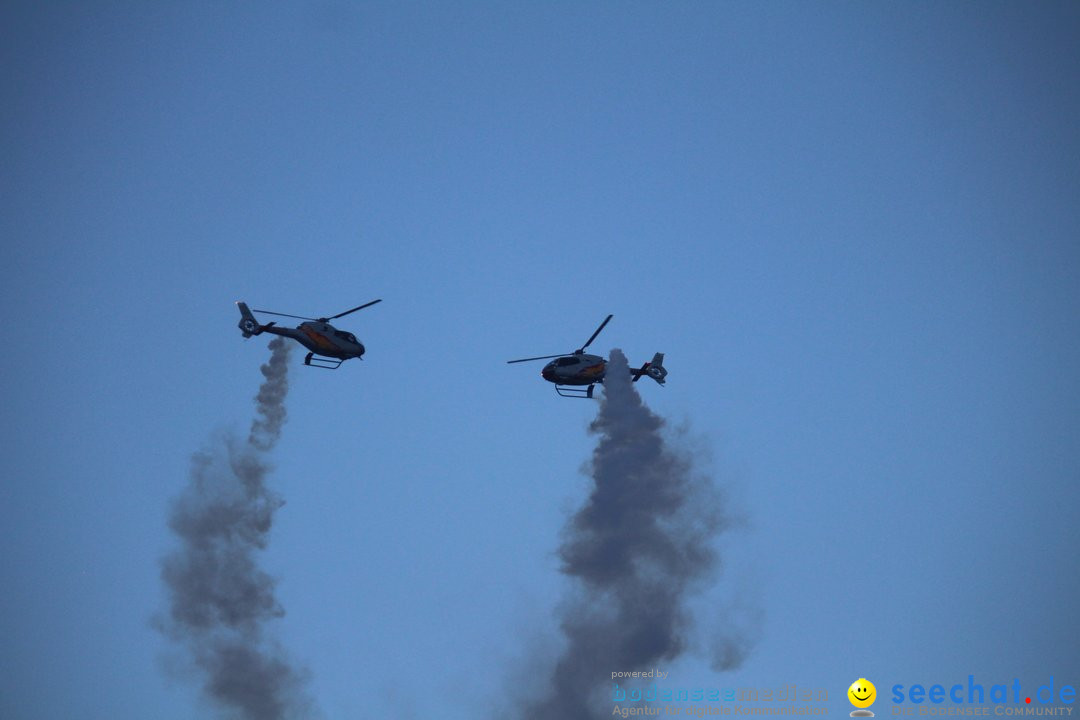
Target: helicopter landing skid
[320, 362]
[574, 391]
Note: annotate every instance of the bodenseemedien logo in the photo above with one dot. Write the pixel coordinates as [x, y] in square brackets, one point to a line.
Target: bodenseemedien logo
[862, 694]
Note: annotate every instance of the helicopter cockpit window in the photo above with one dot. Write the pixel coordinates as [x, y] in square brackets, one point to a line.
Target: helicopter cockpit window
[563, 362]
[346, 336]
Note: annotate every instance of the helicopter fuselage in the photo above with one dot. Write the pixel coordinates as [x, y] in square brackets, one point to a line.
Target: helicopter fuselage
[321, 339]
[577, 369]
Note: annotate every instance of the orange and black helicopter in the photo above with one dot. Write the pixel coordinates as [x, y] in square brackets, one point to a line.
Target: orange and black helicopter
[317, 335]
[572, 372]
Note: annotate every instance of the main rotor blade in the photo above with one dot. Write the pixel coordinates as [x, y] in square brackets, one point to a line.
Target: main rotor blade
[271, 312]
[589, 341]
[542, 357]
[358, 307]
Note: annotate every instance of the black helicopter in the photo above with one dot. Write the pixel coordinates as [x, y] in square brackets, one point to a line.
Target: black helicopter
[316, 334]
[570, 372]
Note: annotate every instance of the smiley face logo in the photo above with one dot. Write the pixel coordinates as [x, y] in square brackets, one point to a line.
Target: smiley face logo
[862, 693]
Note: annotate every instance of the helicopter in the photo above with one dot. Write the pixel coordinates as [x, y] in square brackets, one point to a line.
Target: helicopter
[333, 346]
[570, 372]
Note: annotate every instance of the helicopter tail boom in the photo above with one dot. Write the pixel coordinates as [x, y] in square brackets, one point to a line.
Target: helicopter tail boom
[248, 324]
[654, 369]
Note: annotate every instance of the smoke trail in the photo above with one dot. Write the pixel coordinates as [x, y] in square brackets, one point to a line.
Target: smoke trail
[220, 600]
[270, 402]
[638, 549]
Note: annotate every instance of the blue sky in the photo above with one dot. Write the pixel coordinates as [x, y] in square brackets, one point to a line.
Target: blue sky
[851, 227]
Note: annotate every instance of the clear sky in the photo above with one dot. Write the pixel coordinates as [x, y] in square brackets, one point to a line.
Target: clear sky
[854, 229]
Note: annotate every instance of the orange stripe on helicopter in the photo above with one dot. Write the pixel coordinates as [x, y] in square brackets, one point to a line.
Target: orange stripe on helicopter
[319, 339]
[593, 369]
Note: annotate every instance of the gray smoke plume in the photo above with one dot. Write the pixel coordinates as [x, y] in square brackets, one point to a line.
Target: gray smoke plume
[220, 600]
[270, 402]
[638, 549]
